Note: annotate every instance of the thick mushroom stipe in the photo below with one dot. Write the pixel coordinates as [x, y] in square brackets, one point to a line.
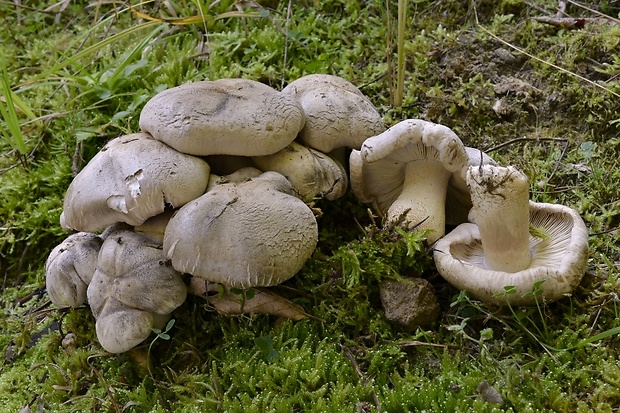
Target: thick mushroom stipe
[500, 196]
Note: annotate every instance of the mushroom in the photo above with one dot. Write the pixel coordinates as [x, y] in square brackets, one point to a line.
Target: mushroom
[223, 117]
[310, 172]
[70, 268]
[516, 252]
[458, 199]
[133, 290]
[337, 113]
[133, 178]
[247, 234]
[405, 173]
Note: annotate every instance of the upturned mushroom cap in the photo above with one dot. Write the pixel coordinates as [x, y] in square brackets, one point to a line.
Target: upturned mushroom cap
[70, 268]
[133, 178]
[312, 173]
[337, 113]
[254, 233]
[405, 173]
[559, 259]
[223, 117]
[132, 287]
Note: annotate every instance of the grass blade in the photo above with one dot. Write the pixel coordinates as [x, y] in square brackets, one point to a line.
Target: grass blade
[9, 114]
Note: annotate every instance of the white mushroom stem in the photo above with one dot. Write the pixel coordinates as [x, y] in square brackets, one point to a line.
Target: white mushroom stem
[500, 197]
[423, 198]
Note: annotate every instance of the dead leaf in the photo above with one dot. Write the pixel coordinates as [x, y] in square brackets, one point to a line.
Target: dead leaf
[262, 301]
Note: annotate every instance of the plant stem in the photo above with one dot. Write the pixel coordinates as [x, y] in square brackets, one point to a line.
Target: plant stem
[402, 23]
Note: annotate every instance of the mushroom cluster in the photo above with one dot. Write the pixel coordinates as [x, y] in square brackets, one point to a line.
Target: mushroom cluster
[219, 183]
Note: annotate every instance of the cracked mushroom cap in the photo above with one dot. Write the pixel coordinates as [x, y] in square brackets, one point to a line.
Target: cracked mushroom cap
[312, 173]
[133, 178]
[70, 268]
[132, 291]
[405, 173]
[248, 234]
[337, 113]
[223, 117]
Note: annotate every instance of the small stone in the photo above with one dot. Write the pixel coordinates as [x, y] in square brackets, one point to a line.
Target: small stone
[409, 304]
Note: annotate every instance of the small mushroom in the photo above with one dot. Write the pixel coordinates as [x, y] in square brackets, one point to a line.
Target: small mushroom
[337, 113]
[312, 173]
[133, 290]
[516, 252]
[133, 178]
[248, 234]
[223, 117]
[405, 173]
[70, 268]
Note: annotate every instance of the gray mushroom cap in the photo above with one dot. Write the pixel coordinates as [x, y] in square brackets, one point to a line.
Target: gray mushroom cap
[131, 179]
[70, 268]
[248, 234]
[223, 117]
[312, 173]
[132, 288]
[558, 260]
[337, 112]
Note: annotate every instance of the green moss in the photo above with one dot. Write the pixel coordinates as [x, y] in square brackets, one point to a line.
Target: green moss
[559, 129]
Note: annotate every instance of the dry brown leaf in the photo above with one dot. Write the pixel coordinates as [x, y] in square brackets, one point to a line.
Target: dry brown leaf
[262, 302]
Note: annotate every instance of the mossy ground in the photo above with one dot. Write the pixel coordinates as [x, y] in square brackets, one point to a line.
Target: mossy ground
[84, 76]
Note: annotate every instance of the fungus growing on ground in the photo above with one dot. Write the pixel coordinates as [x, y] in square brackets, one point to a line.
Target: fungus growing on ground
[499, 259]
[405, 173]
[223, 117]
[247, 234]
[70, 268]
[337, 113]
[133, 178]
[132, 291]
[312, 173]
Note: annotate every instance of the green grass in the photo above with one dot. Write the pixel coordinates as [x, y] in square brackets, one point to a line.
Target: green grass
[80, 76]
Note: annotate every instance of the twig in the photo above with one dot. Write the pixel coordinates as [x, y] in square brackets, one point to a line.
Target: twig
[416, 343]
[570, 22]
[598, 13]
[363, 377]
[510, 142]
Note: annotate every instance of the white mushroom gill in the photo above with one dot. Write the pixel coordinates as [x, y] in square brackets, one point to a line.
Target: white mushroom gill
[546, 251]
